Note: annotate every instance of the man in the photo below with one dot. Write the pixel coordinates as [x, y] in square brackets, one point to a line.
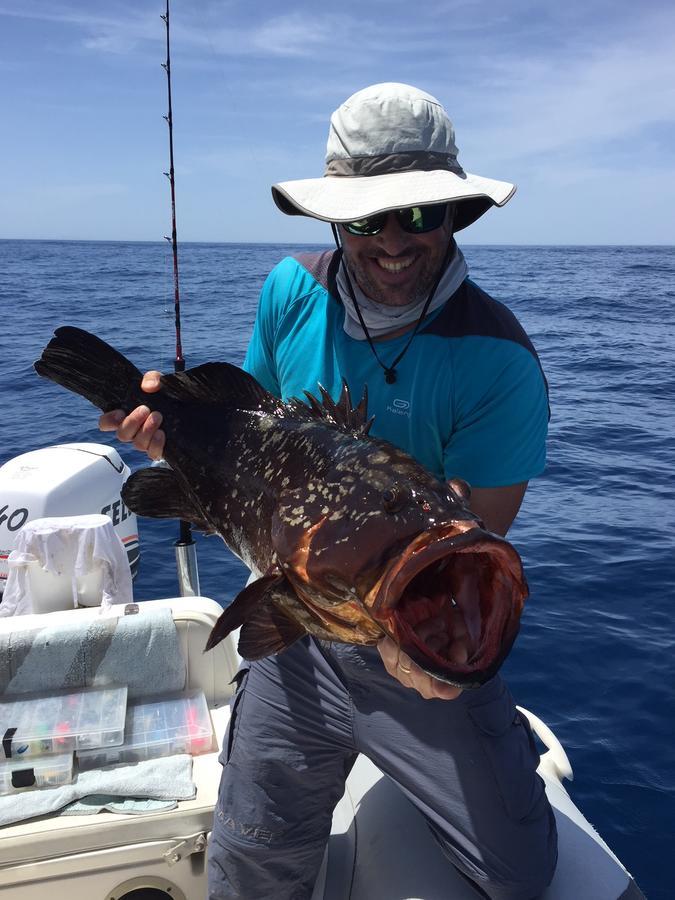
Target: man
[453, 379]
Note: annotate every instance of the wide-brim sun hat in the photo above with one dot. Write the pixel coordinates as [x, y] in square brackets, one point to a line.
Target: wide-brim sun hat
[390, 146]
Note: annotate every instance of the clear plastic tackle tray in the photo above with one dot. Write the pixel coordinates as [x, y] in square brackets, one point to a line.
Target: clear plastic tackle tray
[38, 772]
[63, 721]
[161, 726]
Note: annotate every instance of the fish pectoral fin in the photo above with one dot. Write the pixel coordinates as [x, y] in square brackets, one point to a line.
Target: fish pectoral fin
[268, 631]
[158, 493]
[265, 629]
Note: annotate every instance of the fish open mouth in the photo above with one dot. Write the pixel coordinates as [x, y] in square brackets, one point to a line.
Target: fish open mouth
[452, 601]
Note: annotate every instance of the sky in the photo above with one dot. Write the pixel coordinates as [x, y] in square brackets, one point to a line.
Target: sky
[573, 101]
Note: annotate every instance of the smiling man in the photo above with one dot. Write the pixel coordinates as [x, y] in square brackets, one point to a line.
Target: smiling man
[453, 379]
[398, 267]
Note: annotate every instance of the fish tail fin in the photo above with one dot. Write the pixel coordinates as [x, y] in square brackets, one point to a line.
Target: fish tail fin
[88, 366]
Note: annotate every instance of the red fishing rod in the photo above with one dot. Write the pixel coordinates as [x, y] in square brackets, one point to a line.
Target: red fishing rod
[186, 551]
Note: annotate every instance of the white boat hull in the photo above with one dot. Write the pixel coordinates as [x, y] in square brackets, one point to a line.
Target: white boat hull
[380, 848]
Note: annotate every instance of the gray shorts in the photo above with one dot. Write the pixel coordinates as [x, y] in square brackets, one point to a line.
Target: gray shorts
[298, 721]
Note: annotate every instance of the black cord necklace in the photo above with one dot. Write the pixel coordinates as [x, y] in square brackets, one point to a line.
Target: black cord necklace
[389, 370]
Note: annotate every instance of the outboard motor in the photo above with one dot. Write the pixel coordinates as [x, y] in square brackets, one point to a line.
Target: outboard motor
[65, 480]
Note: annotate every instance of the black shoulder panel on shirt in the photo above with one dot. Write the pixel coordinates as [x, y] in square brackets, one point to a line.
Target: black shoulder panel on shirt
[323, 266]
[470, 311]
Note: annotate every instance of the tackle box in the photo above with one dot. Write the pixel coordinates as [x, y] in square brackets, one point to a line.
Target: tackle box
[112, 855]
[34, 725]
[161, 726]
[39, 772]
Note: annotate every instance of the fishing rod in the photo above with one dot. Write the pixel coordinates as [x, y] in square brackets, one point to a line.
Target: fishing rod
[186, 550]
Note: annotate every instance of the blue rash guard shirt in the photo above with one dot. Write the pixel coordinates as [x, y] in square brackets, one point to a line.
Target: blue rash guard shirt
[469, 400]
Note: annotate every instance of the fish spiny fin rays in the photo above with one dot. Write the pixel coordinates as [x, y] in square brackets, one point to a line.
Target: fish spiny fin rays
[88, 366]
[157, 493]
[353, 419]
[264, 628]
[217, 384]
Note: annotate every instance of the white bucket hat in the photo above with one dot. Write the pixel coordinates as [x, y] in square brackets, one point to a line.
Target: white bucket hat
[390, 146]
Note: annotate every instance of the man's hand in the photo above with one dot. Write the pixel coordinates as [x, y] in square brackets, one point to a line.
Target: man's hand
[140, 427]
[403, 669]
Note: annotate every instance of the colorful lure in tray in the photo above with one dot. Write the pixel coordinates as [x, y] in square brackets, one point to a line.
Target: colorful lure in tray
[35, 725]
[161, 726]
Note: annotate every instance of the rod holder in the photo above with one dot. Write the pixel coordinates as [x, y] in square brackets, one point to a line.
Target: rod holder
[187, 570]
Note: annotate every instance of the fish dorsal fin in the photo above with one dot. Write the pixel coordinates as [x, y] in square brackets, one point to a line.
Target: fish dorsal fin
[353, 419]
[158, 493]
[264, 628]
[219, 383]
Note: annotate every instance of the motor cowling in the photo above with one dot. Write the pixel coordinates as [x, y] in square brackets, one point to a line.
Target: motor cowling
[65, 480]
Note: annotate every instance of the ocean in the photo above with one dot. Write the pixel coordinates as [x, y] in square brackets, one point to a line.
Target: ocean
[595, 658]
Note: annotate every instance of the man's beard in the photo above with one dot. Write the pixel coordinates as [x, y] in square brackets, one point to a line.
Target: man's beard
[380, 294]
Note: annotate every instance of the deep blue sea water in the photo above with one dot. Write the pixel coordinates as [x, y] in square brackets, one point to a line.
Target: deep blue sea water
[596, 653]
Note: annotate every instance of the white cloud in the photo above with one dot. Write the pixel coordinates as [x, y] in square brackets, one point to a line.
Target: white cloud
[571, 105]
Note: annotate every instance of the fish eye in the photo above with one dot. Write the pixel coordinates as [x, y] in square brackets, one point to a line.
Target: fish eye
[394, 498]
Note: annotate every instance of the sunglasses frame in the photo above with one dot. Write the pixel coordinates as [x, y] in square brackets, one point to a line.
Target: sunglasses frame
[375, 224]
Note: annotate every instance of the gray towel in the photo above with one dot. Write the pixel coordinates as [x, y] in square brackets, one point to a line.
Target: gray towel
[168, 778]
[139, 649]
[131, 806]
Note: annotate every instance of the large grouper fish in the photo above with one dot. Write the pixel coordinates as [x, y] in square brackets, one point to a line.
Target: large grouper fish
[351, 538]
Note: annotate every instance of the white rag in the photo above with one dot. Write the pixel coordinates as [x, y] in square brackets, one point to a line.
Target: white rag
[73, 545]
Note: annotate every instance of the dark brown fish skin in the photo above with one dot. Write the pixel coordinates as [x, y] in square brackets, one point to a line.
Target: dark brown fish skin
[352, 537]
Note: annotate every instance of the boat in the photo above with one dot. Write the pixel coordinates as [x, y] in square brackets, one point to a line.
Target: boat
[379, 847]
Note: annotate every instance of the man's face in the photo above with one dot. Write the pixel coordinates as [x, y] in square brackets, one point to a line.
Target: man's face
[396, 268]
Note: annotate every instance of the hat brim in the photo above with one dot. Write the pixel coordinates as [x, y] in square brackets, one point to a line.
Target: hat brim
[350, 198]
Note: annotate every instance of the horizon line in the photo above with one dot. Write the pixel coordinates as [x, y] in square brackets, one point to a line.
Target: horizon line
[299, 243]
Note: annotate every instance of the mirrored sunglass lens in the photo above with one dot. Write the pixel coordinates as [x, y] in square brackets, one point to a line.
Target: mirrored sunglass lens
[368, 226]
[418, 219]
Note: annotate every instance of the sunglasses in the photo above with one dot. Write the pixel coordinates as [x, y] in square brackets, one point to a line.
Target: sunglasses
[412, 219]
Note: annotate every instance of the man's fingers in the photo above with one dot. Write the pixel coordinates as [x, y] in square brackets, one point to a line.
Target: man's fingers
[132, 424]
[148, 428]
[141, 427]
[151, 382]
[404, 670]
[156, 446]
[442, 691]
[111, 420]
[389, 653]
